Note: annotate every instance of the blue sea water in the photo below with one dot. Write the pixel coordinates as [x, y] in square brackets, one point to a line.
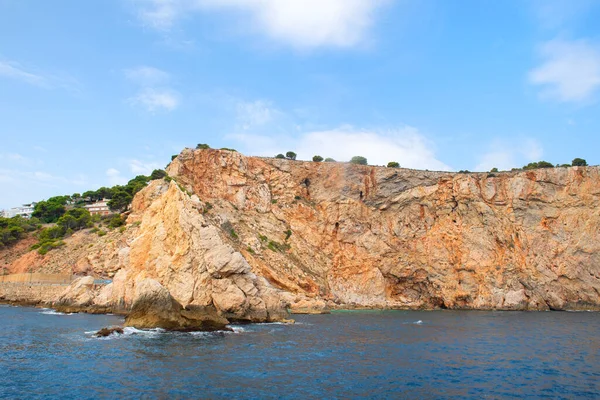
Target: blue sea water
[362, 354]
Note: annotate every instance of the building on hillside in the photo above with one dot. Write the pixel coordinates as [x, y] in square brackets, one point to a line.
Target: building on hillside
[24, 211]
[99, 207]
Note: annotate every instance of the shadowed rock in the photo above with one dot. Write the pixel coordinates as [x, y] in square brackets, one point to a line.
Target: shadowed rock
[154, 307]
[104, 332]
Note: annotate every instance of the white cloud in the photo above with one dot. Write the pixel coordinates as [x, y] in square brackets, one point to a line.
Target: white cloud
[505, 155]
[147, 76]
[570, 71]
[114, 177]
[15, 71]
[405, 145]
[143, 167]
[254, 113]
[14, 158]
[154, 92]
[156, 99]
[300, 23]
[554, 14]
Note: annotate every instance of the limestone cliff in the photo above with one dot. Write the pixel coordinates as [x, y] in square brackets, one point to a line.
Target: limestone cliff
[385, 237]
[243, 238]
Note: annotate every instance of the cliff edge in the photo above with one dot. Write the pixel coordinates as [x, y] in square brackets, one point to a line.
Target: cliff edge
[233, 238]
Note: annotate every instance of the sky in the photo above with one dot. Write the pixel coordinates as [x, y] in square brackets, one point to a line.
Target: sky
[95, 92]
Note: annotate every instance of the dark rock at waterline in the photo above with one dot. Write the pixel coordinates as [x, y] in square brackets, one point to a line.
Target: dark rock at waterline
[154, 307]
[104, 332]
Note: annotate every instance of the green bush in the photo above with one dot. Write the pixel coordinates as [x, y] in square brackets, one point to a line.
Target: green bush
[279, 156]
[329, 159]
[202, 146]
[317, 158]
[358, 160]
[115, 221]
[158, 174]
[393, 164]
[494, 169]
[579, 162]
[539, 164]
[290, 155]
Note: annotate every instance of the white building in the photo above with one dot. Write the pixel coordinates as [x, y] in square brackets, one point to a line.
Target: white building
[25, 211]
[100, 207]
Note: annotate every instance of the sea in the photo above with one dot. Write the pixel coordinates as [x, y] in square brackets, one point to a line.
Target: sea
[343, 355]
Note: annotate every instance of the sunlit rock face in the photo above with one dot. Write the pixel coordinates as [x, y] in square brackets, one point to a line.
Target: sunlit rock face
[235, 238]
[387, 237]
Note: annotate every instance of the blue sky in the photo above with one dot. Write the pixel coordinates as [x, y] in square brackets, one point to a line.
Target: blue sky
[95, 92]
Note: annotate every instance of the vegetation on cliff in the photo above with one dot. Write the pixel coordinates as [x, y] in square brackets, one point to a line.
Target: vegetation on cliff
[15, 228]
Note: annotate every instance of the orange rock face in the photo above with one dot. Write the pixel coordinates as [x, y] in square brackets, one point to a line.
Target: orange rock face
[385, 237]
[242, 238]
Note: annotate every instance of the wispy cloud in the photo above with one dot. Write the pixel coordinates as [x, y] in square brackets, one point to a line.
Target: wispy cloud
[299, 23]
[507, 154]
[154, 92]
[570, 71]
[15, 71]
[554, 14]
[156, 99]
[405, 145]
[255, 113]
[147, 76]
[115, 177]
[139, 167]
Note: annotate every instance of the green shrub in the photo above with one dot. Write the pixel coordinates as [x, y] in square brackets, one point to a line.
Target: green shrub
[539, 164]
[101, 232]
[202, 146]
[290, 155]
[494, 169]
[115, 221]
[393, 164]
[579, 162]
[158, 174]
[317, 158]
[279, 156]
[288, 233]
[358, 160]
[329, 159]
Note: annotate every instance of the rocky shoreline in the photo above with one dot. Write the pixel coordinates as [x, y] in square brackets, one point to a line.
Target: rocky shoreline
[229, 238]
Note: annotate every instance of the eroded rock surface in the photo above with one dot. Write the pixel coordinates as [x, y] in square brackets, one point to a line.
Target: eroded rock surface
[235, 238]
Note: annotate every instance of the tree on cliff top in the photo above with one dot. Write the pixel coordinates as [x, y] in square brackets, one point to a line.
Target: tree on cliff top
[579, 162]
[317, 158]
[202, 146]
[393, 164]
[290, 155]
[539, 164]
[157, 174]
[358, 160]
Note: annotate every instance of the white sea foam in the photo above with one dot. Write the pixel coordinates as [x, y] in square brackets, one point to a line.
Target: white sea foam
[52, 312]
[419, 322]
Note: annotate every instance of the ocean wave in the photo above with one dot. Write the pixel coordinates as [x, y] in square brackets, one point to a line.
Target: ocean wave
[53, 312]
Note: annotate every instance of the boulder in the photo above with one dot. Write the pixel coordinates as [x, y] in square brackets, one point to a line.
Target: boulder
[154, 307]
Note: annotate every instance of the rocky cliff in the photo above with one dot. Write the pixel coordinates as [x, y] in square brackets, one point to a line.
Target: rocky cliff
[240, 238]
[385, 237]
